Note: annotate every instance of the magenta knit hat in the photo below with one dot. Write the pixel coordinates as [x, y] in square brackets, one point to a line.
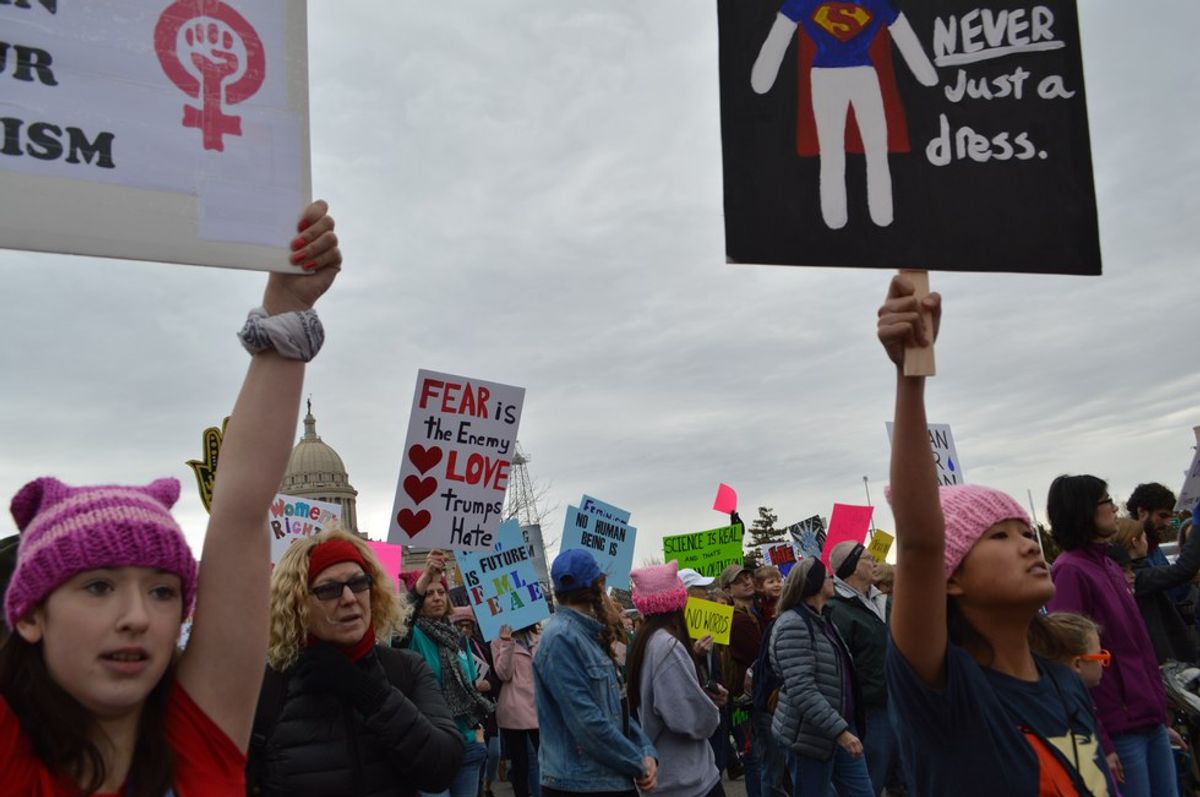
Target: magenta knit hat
[658, 590]
[67, 530]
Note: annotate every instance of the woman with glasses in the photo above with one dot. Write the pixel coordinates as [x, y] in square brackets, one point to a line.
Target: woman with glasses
[1131, 702]
[340, 712]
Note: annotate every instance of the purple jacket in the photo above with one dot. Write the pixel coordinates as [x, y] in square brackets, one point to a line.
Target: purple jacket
[1130, 696]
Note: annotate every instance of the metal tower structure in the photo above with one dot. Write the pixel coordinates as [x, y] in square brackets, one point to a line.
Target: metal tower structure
[521, 500]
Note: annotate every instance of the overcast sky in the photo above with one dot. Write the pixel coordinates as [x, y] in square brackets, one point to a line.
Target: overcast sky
[529, 192]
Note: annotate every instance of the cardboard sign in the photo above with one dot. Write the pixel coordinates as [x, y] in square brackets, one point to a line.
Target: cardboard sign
[603, 510]
[391, 559]
[808, 536]
[708, 617]
[293, 518]
[945, 455]
[609, 541]
[706, 552]
[1189, 494]
[781, 555]
[462, 434]
[951, 135]
[726, 501]
[169, 131]
[502, 584]
[846, 522]
[881, 543]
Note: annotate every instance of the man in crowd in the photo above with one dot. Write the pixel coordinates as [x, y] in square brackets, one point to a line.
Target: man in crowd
[1153, 505]
[745, 638]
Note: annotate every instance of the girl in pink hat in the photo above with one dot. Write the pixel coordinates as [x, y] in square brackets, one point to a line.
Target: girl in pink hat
[94, 698]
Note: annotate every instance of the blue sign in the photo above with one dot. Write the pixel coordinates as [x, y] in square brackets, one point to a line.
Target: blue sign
[502, 584]
[609, 540]
[607, 511]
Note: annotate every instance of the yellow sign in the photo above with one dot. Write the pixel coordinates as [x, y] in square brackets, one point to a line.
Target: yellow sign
[881, 543]
[206, 469]
[708, 617]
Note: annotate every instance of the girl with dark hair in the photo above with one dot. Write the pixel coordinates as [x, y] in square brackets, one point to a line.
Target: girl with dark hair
[94, 698]
[665, 693]
[589, 742]
[1131, 700]
[975, 711]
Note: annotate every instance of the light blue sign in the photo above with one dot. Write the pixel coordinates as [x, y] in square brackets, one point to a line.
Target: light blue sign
[610, 541]
[607, 511]
[502, 584]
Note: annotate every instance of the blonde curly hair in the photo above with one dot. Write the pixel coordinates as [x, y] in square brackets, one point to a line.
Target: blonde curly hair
[289, 598]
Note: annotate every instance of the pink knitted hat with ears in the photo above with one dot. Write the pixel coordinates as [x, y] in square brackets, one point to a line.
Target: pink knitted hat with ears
[658, 590]
[970, 510]
[67, 530]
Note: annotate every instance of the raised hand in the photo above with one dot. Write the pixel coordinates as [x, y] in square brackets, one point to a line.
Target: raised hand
[316, 250]
[900, 323]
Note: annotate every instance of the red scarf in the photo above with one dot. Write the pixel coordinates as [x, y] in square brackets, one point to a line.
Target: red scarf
[353, 652]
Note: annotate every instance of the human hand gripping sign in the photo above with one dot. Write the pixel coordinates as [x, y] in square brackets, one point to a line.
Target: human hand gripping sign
[901, 323]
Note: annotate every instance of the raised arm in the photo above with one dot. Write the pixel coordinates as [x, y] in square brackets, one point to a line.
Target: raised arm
[919, 595]
[914, 54]
[222, 667]
[774, 47]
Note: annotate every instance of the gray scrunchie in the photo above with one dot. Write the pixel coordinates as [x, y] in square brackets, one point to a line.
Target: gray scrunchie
[297, 335]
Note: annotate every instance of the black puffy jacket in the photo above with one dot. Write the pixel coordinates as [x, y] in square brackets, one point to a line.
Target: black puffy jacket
[312, 744]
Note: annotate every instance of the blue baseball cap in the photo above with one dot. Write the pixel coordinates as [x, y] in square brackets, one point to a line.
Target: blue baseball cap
[574, 569]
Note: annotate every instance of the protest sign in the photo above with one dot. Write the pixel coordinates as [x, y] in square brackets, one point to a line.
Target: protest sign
[808, 536]
[952, 135]
[601, 509]
[1189, 494]
[532, 535]
[726, 501]
[457, 459]
[206, 468]
[174, 132]
[706, 552]
[391, 559]
[293, 518]
[708, 617]
[502, 583]
[945, 455]
[609, 541]
[781, 555]
[846, 522]
[881, 543]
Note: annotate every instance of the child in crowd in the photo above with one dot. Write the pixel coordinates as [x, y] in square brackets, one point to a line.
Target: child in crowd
[970, 580]
[768, 584]
[1073, 640]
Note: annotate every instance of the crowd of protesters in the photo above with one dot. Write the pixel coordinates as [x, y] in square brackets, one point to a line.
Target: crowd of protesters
[970, 667]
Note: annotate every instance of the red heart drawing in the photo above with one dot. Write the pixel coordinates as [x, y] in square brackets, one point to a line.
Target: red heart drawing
[419, 489]
[413, 523]
[424, 458]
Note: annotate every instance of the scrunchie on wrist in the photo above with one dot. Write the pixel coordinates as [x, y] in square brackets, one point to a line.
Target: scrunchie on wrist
[297, 335]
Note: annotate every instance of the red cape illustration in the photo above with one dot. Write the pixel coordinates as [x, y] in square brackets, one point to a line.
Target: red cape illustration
[806, 124]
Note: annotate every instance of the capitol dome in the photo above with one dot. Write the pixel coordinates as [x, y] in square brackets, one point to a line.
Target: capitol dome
[316, 471]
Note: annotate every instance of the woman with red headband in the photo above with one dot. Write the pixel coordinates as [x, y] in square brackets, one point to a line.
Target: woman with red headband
[340, 712]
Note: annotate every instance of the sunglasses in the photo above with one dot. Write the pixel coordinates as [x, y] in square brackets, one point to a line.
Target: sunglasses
[1104, 657]
[331, 590]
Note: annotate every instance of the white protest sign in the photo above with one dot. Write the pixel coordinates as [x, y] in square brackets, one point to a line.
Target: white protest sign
[160, 131]
[293, 518]
[1189, 494]
[457, 460]
[945, 455]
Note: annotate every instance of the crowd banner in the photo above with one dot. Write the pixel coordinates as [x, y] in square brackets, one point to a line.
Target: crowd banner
[708, 617]
[1189, 494]
[391, 559]
[609, 541]
[945, 455]
[808, 536]
[881, 543]
[726, 500]
[502, 583]
[883, 134]
[706, 552]
[846, 522]
[168, 131]
[462, 434]
[292, 518]
[601, 509]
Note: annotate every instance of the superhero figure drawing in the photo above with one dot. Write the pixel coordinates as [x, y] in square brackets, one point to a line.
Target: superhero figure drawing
[847, 92]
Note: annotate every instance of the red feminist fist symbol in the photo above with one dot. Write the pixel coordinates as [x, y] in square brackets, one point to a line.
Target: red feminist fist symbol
[205, 46]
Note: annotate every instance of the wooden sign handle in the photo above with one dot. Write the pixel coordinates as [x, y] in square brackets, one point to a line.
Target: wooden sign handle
[918, 360]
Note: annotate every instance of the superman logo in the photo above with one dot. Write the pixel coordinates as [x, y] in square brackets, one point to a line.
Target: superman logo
[843, 21]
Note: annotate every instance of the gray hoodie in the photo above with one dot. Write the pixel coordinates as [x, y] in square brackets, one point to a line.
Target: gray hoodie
[678, 717]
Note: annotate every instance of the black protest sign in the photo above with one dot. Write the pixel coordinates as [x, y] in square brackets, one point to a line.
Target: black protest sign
[945, 134]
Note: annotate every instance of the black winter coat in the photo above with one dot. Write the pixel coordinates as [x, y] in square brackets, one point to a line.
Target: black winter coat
[319, 745]
[867, 637]
[1172, 637]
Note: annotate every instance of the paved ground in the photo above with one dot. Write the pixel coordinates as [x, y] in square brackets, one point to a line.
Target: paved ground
[733, 788]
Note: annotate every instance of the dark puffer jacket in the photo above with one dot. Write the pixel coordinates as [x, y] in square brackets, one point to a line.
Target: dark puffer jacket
[318, 745]
[1172, 637]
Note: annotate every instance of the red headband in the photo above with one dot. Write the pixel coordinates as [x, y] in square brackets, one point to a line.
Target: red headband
[332, 552]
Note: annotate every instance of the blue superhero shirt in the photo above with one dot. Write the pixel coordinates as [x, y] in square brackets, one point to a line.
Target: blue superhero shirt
[842, 31]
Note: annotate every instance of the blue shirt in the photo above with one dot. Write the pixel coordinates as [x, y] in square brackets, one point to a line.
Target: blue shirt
[842, 31]
[983, 726]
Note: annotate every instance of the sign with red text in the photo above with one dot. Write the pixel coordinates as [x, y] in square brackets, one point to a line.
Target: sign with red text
[462, 435]
[292, 518]
[168, 131]
[502, 584]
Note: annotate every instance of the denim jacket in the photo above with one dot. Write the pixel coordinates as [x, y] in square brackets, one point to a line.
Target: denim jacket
[583, 745]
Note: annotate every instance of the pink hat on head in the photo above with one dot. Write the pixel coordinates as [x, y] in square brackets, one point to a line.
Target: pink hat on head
[462, 614]
[658, 590]
[67, 530]
[970, 510]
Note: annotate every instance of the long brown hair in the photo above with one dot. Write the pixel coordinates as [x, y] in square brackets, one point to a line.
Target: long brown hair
[60, 728]
[612, 629]
[675, 625]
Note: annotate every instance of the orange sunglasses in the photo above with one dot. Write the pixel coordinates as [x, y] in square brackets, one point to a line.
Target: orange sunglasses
[1104, 657]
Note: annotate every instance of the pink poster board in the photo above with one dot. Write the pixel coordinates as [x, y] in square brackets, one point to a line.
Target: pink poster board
[846, 522]
[390, 557]
[726, 502]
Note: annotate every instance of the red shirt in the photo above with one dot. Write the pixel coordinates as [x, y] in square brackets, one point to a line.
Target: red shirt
[207, 762]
